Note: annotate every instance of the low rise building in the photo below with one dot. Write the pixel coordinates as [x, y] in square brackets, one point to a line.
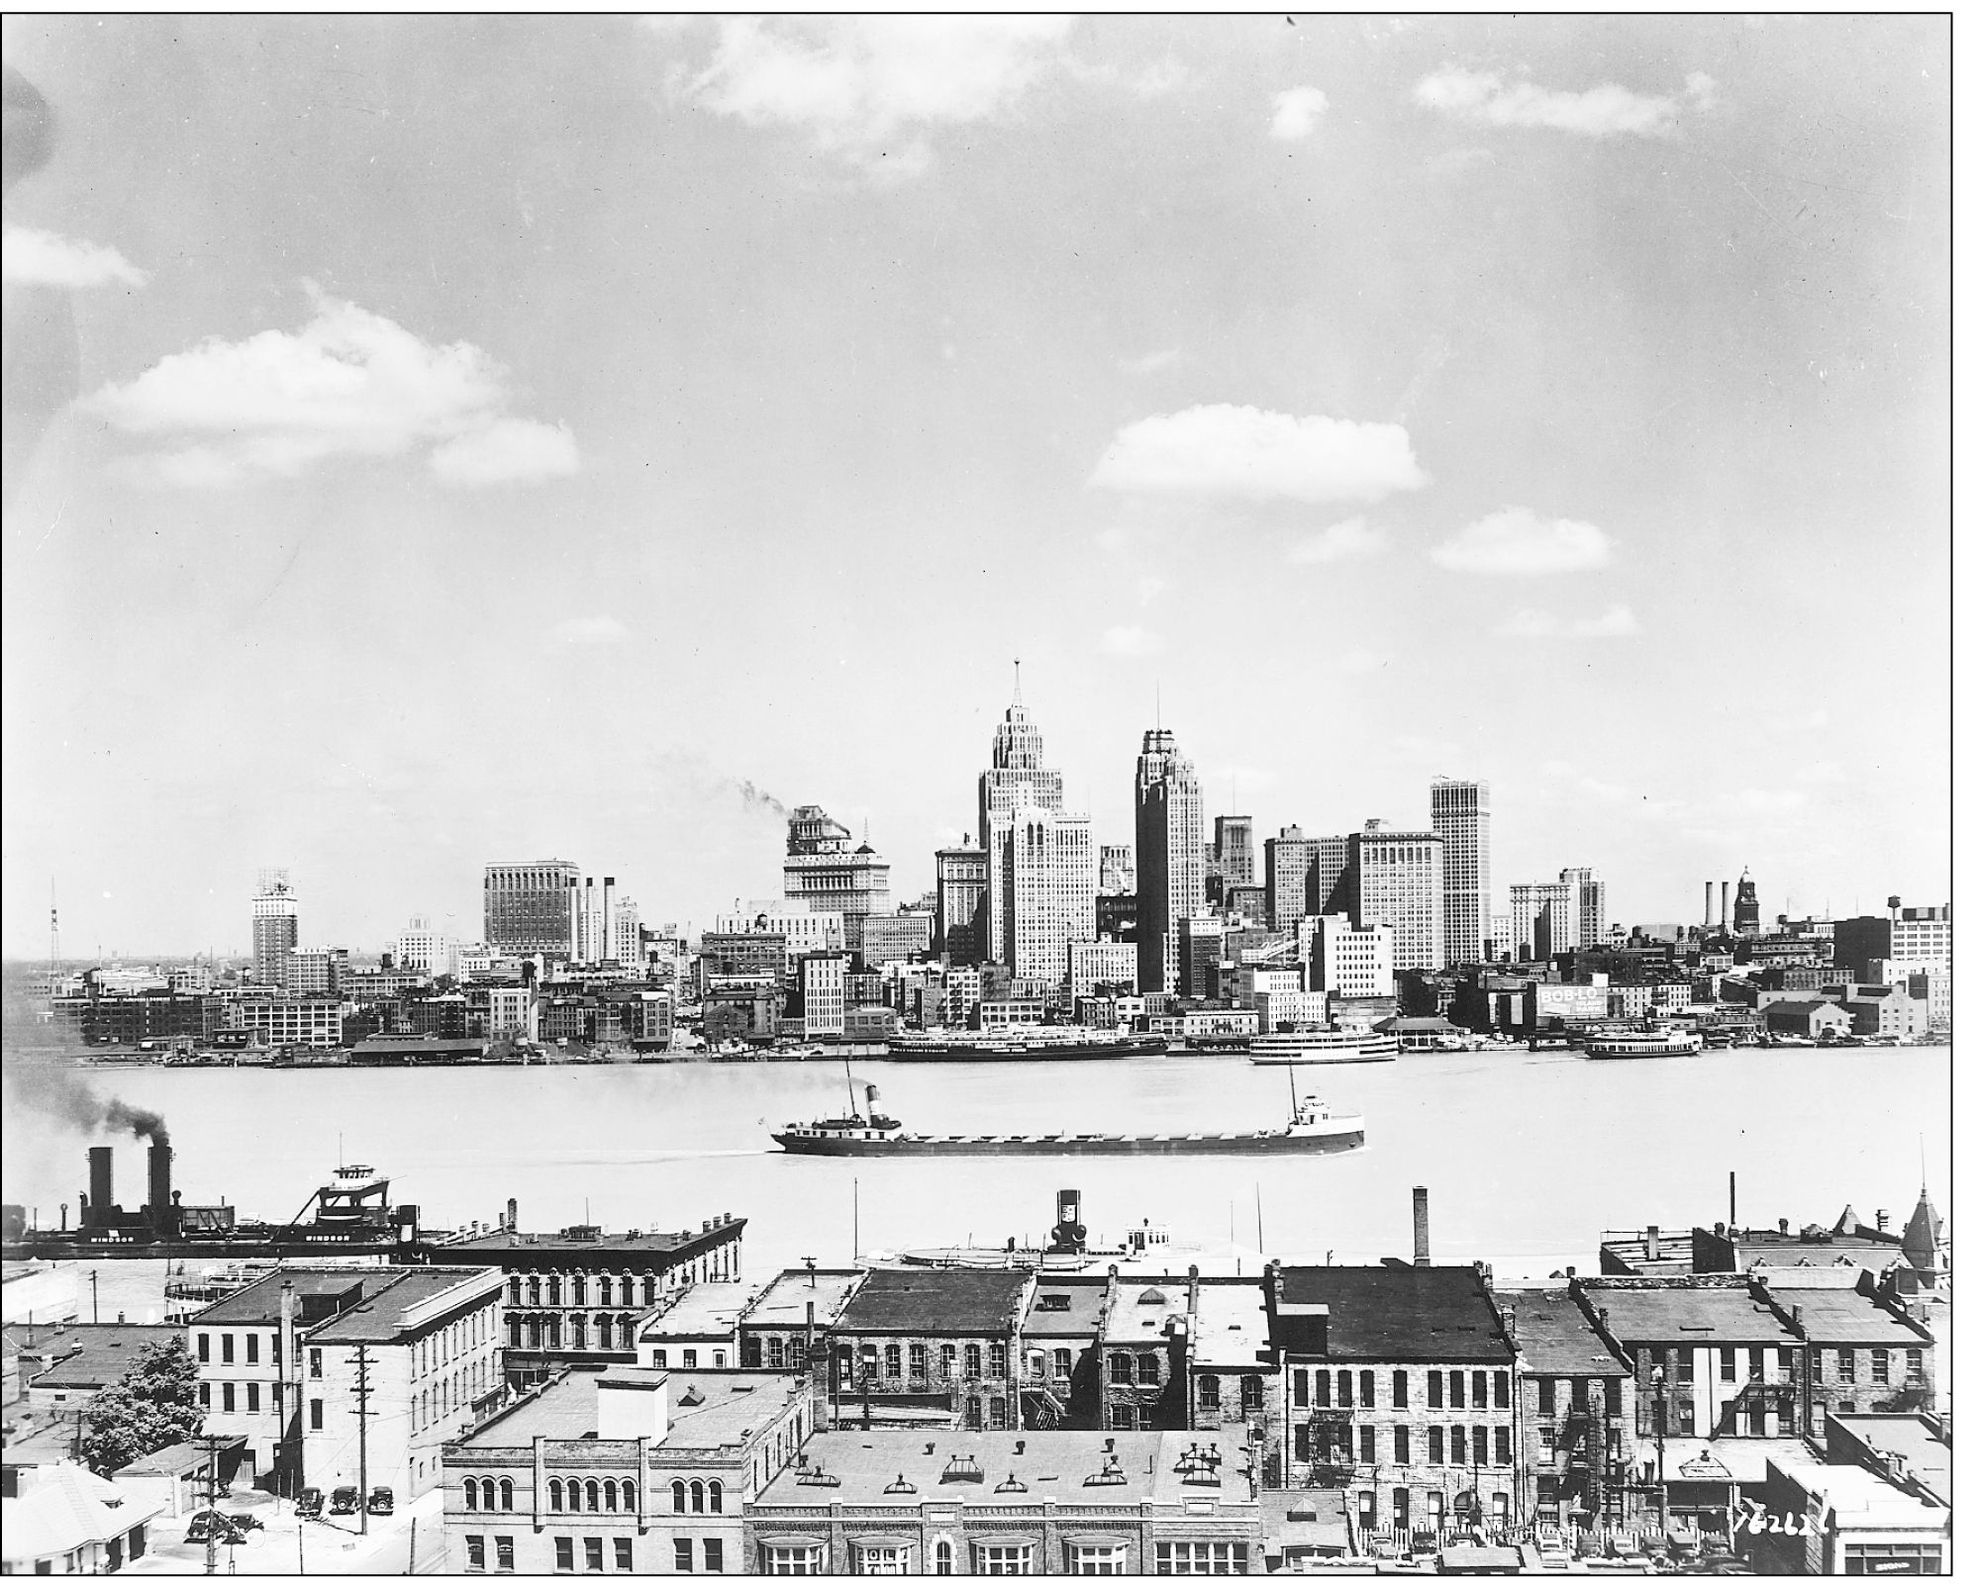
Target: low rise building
[1576, 1422]
[60, 1518]
[1178, 1502]
[1807, 1019]
[929, 1346]
[788, 1319]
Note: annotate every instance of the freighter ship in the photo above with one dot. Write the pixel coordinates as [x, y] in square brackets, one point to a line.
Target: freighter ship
[1311, 1129]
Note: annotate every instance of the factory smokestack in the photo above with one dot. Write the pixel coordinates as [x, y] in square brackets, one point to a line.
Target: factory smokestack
[1707, 891]
[102, 1188]
[159, 1208]
[1420, 1250]
[1725, 915]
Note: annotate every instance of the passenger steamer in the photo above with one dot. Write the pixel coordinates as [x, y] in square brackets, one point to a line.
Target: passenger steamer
[1307, 1047]
[1624, 1044]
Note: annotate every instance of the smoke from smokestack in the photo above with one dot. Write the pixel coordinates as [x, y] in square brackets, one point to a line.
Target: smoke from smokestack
[756, 801]
[62, 1096]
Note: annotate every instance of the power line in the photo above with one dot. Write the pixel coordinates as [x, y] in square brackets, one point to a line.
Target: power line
[361, 1391]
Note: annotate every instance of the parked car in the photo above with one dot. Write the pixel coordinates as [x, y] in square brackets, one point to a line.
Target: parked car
[202, 1526]
[309, 1503]
[380, 1499]
[345, 1499]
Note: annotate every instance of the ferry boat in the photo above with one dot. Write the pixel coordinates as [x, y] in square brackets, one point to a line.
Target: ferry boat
[1622, 1044]
[1311, 1129]
[1039, 1043]
[1306, 1047]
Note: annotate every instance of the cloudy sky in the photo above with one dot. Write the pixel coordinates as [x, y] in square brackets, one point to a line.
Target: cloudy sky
[487, 439]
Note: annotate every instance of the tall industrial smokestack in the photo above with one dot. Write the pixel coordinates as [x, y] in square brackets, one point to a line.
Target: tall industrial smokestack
[1420, 1252]
[1726, 916]
[1707, 891]
[159, 1208]
[102, 1189]
[604, 945]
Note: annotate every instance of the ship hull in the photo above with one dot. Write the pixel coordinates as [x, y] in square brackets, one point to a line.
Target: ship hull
[1105, 1050]
[1347, 1138]
[1636, 1055]
[1321, 1058]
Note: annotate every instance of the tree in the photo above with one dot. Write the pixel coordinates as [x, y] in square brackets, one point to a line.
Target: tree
[155, 1404]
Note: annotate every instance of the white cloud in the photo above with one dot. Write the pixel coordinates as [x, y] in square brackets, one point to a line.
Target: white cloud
[1130, 641]
[41, 258]
[1605, 111]
[1617, 621]
[348, 383]
[1351, 539]
[863, 88]
[1257, 455]
[1516, 542]
[507, 451]
[1298, 111]
[589, 630]
[1151, 363]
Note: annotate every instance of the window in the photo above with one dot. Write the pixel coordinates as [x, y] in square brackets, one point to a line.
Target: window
[682, 1556]
[205, 1347]
[1182, 1557]
[473, 1495]
[973, 1361]
[1121, 1369]
[1148, 1369]
[1546, 1441]
[1460, 1443]
[253, 1396]
[1399, 1389]
[1728, 1363]
[943, 1557]
[253, 1347]
[1436, 1444]
[1683, 1365]
[315, 1413]
[1501, 1388]
[1300, 1443]
[1892, 1559]
[791, 1561]
[1913, 1364]
[688, 1357]
[1847, 1366]
[1367, 1444]
[713, 1495]
[1457, 1389]
[1480, 1445]
[1367, 1394]
[565, 1554]
[892, 1561]
[1004, 1559]
[894, 1362]
[226, 1397]
[610, 1495]
[916, 1358]
[1882, 1360]
[710, 1551]
[555, 1494]
[622, 1548]
[226, 1347]
[1402, 1444]
[997, 1413]
[998, 1359]
[1546, 1396]
[1251, 1394]
[947, 1354]
[507, 1495]
[1433, 1388]
[678, 1495]
[315, 1363]
[593, 1553]
[1102, 1560]
[699, 1496]
[1756, 1363]
[503, 1553]
[476, 1549]
[974, 1413]
[1344, 1388]
[1481, 1388]
[1320, 1387]
[1502, 1445]
[1817, 1365]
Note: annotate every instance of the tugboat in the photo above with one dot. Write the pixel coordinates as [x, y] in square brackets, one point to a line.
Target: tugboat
[1311, 1129]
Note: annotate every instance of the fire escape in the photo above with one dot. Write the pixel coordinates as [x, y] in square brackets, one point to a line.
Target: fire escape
[1331, 1459]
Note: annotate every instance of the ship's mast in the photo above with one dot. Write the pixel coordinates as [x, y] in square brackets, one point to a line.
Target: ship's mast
[850, 1084]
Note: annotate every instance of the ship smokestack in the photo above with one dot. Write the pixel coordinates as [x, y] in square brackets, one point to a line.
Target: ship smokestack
[101, 1186]
[1420, 1251]
[159, 1209]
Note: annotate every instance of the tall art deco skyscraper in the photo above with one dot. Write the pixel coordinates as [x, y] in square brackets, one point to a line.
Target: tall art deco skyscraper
[1172, 880]
[1041, 866]
[1461, 820]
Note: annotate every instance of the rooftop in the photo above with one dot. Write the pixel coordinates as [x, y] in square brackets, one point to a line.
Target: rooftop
[1066, 1467]
[1555, 1337]
[594, 1240]
[260, 1303]
[61, 1508]
[1908, 1437]
[706, 1409]
[1692, 1310]
[786, 1299]
[388, 1312]
[698, 1309]
[1839, 1316]
[1231, 1327]
[1425, 1312]
[1064, 1306]
[1861, 1499]
[937, 1302]
[89, 1356]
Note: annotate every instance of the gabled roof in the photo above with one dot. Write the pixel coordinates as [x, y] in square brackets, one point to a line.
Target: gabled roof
[61, 1508]
[1923, 1231]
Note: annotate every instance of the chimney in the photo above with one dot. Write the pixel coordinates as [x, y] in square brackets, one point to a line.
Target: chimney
[513, 1215]
[159, 1209]
[1652, 1242]
[1884, 1218]
[290, 1364]
[1731, 1202]
[631, 1405]
[101, 1187]
[1192, 1291]
[1420, 1255]
[1707, 891]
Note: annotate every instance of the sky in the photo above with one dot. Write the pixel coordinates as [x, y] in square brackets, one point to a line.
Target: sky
[435, 441]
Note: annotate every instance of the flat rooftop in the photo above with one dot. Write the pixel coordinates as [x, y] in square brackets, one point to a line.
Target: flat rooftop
[707, 1409]
[1554, 1335]
[937, 1302]
[786, 1299]
[260, 1303]
[698, 1309]
[386, 1314]
[593, 1242]
[1643, 1309]
[1231, 1329]
[1908, 1436]
[1004, 1468]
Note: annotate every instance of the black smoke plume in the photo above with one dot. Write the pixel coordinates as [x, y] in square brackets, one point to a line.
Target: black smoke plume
[62, 1095]
[756, 801]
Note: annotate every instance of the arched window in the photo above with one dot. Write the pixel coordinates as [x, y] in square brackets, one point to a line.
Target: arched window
[555, 1495]
[624, 1290]
[555, 1330]
[592, 1497]
[626, 1333]
[579, 1331]
[507, 1495]
[514, 1289]
[942, 1556]
[651, 1291]
[699, 1496]
[579, 1290]
[534, 1290]
[610, 1495]
[472, 1495]
[713, 1496]
[555, 1291]
[1148, 1369]
[630, 1496]
[678, 1495]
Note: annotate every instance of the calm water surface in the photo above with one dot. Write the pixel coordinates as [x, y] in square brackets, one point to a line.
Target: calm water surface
[1528, 1157]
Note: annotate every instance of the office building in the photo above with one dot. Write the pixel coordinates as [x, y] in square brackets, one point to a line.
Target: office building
[1585, 894]
[1286, 860]
[1394, 878]
[422, 949]
[277, 926]
[1171, 881]
[823, 992]
[825, 873]
[1748, 912]
[960, 923]
[1902, 945]
[1461, 820]
[1230, 856]
[1041, 865]
[896, 937]
[1350, 962]
[1115, 874]
[526, 907]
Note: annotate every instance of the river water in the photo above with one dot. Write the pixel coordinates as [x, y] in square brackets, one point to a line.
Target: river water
[1528, 1157]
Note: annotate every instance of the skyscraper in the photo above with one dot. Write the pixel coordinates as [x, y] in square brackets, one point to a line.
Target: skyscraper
[823, 871]
[960, 902]
[1171, 867]
[1748, 912]
[1461, 820]
[526, 908]
[1286, 860]
[1394, 878]
[1565, 914]
[1230, 857]
[1115, 874]
[1041, 888]
[277, 926]
[1586, 896]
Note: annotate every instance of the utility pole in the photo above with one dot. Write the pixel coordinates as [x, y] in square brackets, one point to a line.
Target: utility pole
[210, 1491]
[95, 1316]
[361, 1391]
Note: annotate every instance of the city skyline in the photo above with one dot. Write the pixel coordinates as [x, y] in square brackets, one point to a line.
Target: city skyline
[1553, 402]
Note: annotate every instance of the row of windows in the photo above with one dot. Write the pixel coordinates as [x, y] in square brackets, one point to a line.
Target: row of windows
[1845, 1365]
[531, 1290]
[862, 1363]
[711, 1554]
[1359, 1388]
[1321, 1443]
[594, 1495]
[618, 1331]
[1182, 1558]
